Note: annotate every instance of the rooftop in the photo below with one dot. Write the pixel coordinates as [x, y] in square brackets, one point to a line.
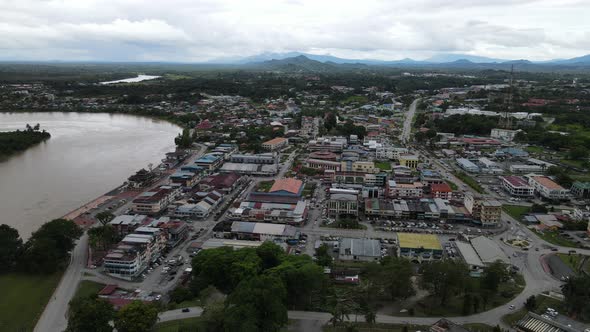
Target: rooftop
[276, 140]
[547, 182]
[516, 181]
[360, 247]
[426, 241]
[289, 184]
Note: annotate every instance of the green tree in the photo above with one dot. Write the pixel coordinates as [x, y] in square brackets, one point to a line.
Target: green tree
[322, 255]
[578, 153]
[577, 296]
[213, 316]
[493, 275]
[303, 280]
[444, 278]
[136, 317]
[104, 217]
[180, 294]
[10, 247]
[270, 254]
[48, 248]
[90, 314]
[184, 140]
[531, 303]
[257, 304]
[102, 237]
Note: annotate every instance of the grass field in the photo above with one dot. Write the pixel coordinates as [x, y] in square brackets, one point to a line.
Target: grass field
[468, 180]
[573, 261]
[23, 299]
[555, 238]
[87, 288]
[453, 185]
[383, 165]
[516, 211]
[264, 186]
[534, 149]
[189, 324]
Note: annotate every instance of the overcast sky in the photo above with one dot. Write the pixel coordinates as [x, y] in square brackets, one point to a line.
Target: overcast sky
[193, 30]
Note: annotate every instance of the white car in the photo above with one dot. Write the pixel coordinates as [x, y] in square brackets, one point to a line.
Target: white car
[511, 307]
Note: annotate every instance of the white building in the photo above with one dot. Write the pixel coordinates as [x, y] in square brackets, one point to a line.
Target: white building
[548, 188]
[517, 186]
[504, 134]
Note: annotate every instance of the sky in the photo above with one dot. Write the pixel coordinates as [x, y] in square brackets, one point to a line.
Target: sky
[200, 31]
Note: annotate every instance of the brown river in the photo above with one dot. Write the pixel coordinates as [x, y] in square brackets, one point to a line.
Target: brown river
[86, 156]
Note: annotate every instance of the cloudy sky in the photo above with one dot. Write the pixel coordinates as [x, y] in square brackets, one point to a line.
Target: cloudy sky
[194, 30]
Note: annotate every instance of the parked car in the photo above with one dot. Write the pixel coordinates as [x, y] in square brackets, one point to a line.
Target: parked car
[186, 310]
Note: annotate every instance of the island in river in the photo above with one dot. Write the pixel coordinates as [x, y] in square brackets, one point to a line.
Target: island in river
[12, 142]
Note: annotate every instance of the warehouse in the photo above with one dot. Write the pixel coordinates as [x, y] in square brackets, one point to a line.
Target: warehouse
[467, 165]
[419, 247]
[366, 250]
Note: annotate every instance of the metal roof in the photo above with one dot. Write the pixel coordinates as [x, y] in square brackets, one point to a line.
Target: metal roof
[360, 247]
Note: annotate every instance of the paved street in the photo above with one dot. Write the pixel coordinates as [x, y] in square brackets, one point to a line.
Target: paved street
[408, 121]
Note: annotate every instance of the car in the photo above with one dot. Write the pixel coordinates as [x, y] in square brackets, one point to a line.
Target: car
[511, 307]
[186, 310]
[554, 249]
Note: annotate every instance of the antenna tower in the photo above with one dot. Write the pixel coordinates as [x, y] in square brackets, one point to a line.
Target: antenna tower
[506, 117]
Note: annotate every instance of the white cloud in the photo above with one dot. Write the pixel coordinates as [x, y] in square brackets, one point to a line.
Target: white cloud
[189, 30]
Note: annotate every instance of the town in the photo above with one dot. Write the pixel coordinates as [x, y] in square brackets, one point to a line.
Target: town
[453, 207]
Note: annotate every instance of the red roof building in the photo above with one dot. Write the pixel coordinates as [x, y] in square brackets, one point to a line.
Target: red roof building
[441, 190]
[288, 186]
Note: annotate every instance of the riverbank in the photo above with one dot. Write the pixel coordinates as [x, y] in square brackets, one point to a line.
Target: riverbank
[13, 142]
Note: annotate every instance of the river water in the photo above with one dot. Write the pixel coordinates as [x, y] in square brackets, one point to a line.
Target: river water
[86, 156]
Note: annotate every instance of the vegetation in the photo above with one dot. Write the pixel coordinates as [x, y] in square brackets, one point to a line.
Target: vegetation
[468, 180]
[366, 327]
[466, 124]
[188, 324]
[23, 299]
[10, 249]
[383, 165]
[577, 297]
[537, 304]
[87, 289]
[90, 314]
[136, 317]
[516, 211]
[575, 261]
[12, 142]
[264, 186]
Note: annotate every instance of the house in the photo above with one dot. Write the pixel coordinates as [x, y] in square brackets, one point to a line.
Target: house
[125, 224]
[155, 201]
[366, 250]
[441, 190]
[210, 161]
[517, 186]
[184, 179]
[548, 188]
[275, 144]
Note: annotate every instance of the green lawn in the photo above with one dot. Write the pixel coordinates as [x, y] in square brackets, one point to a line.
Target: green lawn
[516, 211]
[383, 165]
[453, 185]
[184, 304]
[534, 149]
[264, 186]
[24, 298]
[555, 238]
[308, 189]
[188, 324]
[364, 327]
[573, 261]
[87, 288]
[468, 180]
[478, 327]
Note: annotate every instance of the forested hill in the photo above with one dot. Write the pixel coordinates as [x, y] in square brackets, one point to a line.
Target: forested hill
[12, 142]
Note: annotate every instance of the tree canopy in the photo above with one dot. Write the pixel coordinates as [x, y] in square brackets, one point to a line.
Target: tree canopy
[10, 247]
[90, 314]
[136, 317]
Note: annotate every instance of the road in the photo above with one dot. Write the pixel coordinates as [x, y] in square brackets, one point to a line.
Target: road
[54, 317]
[408, 120]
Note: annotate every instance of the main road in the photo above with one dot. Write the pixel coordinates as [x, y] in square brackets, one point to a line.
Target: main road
[408, 120]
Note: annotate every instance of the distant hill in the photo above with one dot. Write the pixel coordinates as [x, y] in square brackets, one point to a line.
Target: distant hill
[294, 64]
[451, 57]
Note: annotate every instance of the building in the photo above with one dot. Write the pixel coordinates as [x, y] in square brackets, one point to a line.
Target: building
[441, 190]
[419, 247]
[261, 158]
[485, 212]
[517, 186]
[125, 224]
[488, 250]
[548, 188]
[467, 165]
[504, 134]
[275, 144]
[581, 189]
[155, 201]
[526, 169]
[429, 177]
[343, 204]
[366, 250]
[287, 187]
[184, 179]
[409, 160]
[222, 182]
[405, 190]
[310, 126]
[328, 143]
[470, 257]
[202, 209]
[445, 325]
[532, 322]
[323, 164]
[358, 166]
[262, 231]
[388, 152]
[210, 161]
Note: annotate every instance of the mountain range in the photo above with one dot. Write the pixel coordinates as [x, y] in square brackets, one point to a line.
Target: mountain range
[443, 59]
[297, 61]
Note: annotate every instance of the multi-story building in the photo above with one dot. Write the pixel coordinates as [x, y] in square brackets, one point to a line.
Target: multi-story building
[517, 186]
[310, 126]
[261, 158]
[525, 169]
[184, 179]
[504, 134]
[409, 160]
[441, 190]
[323, 164]
[405, 190]
[358, 166]
[155, 201]
[548, 188]
[275, 143]
[342, 204]
[388, 152]
[328, 143]
[486, 212]
[210, 161]
[581, 189]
